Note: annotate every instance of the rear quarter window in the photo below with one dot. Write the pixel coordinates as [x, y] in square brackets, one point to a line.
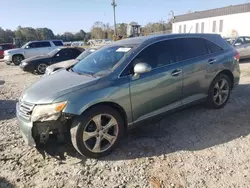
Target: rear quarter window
[214, 48]
[58, 43]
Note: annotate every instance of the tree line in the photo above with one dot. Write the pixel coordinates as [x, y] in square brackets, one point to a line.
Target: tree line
[99, 30]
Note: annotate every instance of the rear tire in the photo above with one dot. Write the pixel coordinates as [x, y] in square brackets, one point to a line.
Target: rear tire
[219, 92]
[93, 139]
[7, 62]
[17, 59]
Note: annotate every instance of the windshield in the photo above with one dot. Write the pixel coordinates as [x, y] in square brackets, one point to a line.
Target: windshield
[24, 46]
[53, 52]
[102, 61]
[85, 54]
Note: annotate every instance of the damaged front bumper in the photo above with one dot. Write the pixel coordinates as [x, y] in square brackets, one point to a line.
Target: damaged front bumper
[36, 133]
[26, 130]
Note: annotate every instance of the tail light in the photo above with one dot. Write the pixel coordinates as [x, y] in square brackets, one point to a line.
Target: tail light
[237, 56]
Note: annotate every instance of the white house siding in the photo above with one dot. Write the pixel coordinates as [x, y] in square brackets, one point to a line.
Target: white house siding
[233, 25]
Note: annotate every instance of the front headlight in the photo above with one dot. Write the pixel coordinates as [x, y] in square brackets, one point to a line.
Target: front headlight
[47, 112]
[24, 63]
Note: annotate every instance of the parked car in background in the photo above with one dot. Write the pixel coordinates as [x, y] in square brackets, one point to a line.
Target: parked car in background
[125, 83]
[3, 47]
[78, 43]
[241, 44]
[39, 64]
[65, 64]
[30, 49]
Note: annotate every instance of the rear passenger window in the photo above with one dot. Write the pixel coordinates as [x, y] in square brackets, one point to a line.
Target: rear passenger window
[43, 44]
[58, 43]
[213, 47]
[187, 48]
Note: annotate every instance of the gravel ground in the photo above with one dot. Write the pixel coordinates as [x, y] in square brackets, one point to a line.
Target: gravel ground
[193, 148]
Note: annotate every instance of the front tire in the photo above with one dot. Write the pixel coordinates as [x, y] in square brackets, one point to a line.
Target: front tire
[219, 92]
[7, 62]
[17, 59]
[97, 132]
[41, 68]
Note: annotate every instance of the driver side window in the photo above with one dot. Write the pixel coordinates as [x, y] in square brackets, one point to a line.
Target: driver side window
[31, 45]
[156, 55]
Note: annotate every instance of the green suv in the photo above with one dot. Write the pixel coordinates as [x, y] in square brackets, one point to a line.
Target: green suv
[124, 84]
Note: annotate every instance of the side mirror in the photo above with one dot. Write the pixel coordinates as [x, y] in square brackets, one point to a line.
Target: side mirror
[237, 44]
[141, 68]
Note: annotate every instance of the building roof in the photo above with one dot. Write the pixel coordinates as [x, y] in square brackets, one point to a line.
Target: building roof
[233, 9]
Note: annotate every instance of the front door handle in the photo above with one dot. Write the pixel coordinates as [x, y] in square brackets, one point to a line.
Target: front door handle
[176, 72]
[211, 61]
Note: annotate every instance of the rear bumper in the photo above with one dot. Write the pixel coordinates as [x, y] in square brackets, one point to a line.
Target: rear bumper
[25, 129]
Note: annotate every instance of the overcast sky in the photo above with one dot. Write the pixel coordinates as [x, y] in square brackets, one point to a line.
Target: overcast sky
[73, 15]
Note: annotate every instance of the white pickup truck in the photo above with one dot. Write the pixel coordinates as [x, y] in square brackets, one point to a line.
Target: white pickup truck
[30, 49]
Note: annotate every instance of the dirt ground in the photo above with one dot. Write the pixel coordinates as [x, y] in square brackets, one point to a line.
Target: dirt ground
[193, 148]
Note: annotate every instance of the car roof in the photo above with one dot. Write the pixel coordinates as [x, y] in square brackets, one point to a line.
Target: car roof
[151, 38]
[45, 40]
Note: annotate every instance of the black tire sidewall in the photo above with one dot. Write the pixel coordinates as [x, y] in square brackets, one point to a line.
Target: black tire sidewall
[210, 101]
[80, 123]
[17, 63]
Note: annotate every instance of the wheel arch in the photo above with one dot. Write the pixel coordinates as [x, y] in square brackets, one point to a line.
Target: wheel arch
[230, 75]
[18, 55]
[113, 105]
[226, 72]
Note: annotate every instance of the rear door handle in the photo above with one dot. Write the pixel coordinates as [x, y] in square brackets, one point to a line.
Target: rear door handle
[176, 72]
[211, 61]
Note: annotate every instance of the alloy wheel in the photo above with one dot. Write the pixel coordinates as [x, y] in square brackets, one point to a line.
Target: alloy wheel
[100, 133]
[221, 91]
[41, 68]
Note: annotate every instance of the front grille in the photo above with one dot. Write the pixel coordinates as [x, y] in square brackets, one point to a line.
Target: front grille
[25, 109]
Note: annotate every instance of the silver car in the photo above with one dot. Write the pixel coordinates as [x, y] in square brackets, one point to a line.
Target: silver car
[241, 44]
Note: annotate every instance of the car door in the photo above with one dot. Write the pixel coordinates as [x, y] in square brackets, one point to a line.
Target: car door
[247, 46]
[159, 90]
[239, 45]
[44, 47]
[32, 49]
[199, 58]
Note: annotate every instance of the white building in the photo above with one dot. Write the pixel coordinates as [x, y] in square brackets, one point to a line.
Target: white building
[227, 21]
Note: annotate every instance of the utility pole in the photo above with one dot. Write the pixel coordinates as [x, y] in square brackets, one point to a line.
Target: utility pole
[114, 5]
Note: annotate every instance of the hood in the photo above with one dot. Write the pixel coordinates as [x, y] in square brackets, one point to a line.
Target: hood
[63, 64]
[48, 88]
[15, 50]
